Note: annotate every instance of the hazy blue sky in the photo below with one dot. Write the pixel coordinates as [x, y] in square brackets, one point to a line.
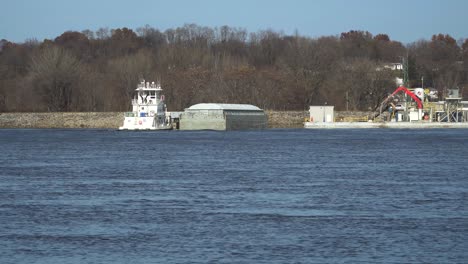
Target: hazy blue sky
[402, 20]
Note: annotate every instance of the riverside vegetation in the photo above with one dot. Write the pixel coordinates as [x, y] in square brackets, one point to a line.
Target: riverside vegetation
[97, 71]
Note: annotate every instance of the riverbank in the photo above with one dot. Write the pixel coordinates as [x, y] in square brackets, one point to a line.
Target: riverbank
[61, 120]
[112, 120]
[400, 125]
[276, 119]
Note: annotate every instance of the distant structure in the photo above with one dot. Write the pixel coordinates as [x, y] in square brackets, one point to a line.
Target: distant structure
[394, 66]
[321, 113]
[210, 116]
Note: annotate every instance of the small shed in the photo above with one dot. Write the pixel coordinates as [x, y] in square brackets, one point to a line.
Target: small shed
[213, 116]
[322, 113]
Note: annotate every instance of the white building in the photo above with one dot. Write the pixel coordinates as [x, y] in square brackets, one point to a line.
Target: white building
[321, 114]
[394, 66]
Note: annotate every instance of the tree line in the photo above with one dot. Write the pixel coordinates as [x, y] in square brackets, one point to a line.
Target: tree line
[99, 70]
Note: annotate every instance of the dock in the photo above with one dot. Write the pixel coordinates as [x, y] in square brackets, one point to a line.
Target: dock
[394, 125]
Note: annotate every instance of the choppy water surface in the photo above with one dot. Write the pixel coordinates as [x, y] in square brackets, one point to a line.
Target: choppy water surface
[274, 196]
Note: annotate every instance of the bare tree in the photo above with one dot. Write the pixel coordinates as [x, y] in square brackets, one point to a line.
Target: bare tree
[103, 33]
[98, 71]
[54, 74]
[125, 73]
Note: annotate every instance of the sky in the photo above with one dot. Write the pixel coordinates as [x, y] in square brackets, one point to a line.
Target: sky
[403, 20]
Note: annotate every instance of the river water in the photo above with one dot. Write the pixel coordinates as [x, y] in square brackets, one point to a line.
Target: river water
[272, 196]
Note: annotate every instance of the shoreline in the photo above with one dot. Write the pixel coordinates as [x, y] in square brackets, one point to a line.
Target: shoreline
[113, 120]
[61, 120]
[385, 125]
[276, 119]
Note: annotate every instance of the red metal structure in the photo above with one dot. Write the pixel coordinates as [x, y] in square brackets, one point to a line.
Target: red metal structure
[408, 92]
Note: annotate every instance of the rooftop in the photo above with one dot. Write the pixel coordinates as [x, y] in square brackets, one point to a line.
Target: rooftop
[212, 106]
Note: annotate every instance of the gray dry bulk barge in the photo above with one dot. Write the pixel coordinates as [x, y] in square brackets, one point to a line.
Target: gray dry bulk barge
[223, 117]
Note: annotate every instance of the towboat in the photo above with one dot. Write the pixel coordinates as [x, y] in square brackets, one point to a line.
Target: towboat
[149, 111]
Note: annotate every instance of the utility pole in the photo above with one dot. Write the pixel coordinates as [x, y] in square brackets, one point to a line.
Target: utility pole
[405, 71]
[347, 101]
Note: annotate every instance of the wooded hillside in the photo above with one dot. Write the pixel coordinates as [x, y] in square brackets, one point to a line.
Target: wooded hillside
[98, 71]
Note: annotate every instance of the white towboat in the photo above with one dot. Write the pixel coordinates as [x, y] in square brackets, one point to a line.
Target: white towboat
[149, 110]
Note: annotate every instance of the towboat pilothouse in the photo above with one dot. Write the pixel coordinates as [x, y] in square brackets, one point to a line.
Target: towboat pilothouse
[149, 110]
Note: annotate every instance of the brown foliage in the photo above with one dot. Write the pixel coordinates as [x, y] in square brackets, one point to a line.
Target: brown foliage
[98, 71]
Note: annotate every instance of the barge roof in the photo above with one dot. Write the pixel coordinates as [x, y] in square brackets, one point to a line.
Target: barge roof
[213, 106]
